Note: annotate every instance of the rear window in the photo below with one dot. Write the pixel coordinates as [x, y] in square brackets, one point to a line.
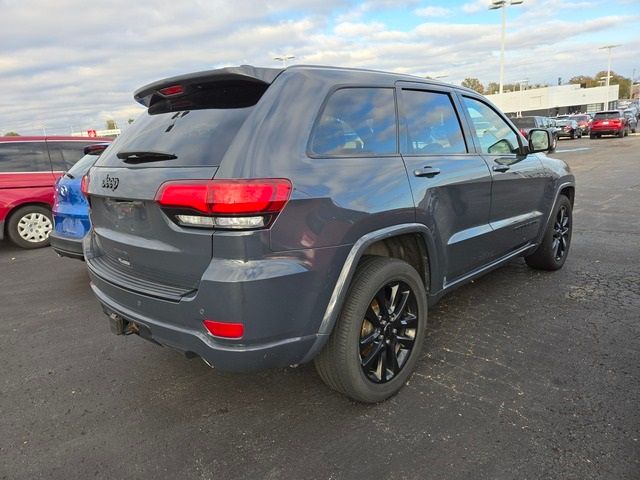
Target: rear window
[581, 118]
[357, 122]
[524, 122]
[606, 115]
[24, 157]
[562, 123]
[82, 166]
[197, 128]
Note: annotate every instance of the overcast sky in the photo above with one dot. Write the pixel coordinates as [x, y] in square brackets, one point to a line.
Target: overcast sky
[73, 64]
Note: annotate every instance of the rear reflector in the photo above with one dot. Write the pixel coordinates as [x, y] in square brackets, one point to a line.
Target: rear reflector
[224, 329]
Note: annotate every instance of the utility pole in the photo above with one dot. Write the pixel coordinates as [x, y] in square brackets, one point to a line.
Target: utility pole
[503, 4]
[608, 79]
[283, 59]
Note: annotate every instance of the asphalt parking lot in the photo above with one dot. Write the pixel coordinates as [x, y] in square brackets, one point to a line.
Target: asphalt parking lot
[525, 375]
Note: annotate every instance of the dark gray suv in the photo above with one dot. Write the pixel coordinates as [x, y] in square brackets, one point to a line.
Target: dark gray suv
[263, 218]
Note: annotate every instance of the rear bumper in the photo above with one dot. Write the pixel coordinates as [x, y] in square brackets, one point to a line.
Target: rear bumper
[280, 301]
[65, 246]
[608, 131]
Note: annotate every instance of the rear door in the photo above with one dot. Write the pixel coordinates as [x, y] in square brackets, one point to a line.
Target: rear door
[451, 184]
[24, 165]
[519, 181]
[134, 243]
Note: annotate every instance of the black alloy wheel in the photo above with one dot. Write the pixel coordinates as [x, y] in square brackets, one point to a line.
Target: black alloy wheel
[388, 332]
[561, 230]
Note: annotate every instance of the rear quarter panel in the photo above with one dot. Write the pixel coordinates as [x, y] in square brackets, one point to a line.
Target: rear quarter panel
[18, 189]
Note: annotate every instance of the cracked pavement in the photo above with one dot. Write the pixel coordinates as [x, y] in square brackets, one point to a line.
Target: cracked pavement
[525, 374]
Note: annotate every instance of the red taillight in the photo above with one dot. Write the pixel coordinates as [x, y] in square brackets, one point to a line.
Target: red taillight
[224, 329]
[84, 185]
[172, 90]
[222, 200]
[523, 132]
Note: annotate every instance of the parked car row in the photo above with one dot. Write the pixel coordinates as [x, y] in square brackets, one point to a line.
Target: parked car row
[29, 169]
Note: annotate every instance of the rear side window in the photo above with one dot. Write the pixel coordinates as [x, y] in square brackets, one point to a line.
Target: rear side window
[24, 157]
[432, 126]
[64, 155]
[357, 122]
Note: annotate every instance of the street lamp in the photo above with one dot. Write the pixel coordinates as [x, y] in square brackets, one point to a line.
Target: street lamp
[608, 47]
[284, 58]
[503, 4]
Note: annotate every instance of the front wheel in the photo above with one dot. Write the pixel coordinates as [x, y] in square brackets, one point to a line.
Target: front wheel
[552, 252]
[377, 339]
[554, 143]
[30, 226]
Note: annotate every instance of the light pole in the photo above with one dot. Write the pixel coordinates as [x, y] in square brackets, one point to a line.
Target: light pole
[284, 58]
[503, 4]
[608, 47]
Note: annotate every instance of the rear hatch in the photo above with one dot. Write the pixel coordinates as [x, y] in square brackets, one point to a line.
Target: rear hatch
[190, 123]
[607, 120]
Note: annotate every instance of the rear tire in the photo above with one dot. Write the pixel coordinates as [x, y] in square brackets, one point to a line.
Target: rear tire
[554, 143]
[592, 136]
[30, 226]
[552, 252]
[377, 339]
[621, 133]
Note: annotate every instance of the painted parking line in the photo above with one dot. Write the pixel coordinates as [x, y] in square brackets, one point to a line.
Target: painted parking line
[572, 149]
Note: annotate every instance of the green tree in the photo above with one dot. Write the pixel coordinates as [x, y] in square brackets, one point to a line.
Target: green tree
[130, 121]
[11, 134]
[585, 80]
[111, 124]
[473, 84]
[492, 88]
[624, 82]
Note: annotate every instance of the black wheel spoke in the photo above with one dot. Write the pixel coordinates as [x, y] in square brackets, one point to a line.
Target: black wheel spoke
[387, 337]
[372, 316]
[373, 355]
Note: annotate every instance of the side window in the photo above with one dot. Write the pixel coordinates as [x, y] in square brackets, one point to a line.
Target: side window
[357, 121]
[65, 154]
[24, 157]
[495, 135]
[431, 124]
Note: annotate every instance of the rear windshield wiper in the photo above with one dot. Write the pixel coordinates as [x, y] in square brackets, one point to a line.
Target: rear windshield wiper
[145, 156]
[68, 175]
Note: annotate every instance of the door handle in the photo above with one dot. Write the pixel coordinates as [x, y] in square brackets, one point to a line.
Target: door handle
[501, 168]
[426, 172]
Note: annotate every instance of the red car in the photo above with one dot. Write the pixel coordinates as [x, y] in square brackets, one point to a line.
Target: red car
[29, 168]
[610, 122]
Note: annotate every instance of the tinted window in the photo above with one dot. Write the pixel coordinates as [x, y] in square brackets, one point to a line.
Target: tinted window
[524, 122]
[64, 155]
[82, 166]
[495, 135]
[357, 121]
[24, 157]
[432, 125]
[196, 137]
[606, 115]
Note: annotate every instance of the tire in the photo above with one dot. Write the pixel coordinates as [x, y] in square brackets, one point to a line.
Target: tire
[553, 251]
[363, 333]
[30, 226]
[573, 135]
[554, 143]
[592, 136]
[621, 133]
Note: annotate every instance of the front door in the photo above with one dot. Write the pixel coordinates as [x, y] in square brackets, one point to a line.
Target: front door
[519, 181]
[451, 184]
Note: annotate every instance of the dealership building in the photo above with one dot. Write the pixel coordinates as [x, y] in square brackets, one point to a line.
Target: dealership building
[559, 100]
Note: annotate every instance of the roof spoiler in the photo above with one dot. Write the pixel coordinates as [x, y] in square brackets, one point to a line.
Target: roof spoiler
[177, 85]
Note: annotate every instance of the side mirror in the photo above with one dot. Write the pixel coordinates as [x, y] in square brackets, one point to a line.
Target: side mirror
[539, 140]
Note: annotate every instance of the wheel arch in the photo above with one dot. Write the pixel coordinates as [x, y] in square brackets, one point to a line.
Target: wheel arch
[391, 241]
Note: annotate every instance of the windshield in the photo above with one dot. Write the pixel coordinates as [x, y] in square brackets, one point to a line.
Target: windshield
[82, 166]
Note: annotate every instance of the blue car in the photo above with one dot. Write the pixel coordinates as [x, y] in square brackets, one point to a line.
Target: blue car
[70, 207]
